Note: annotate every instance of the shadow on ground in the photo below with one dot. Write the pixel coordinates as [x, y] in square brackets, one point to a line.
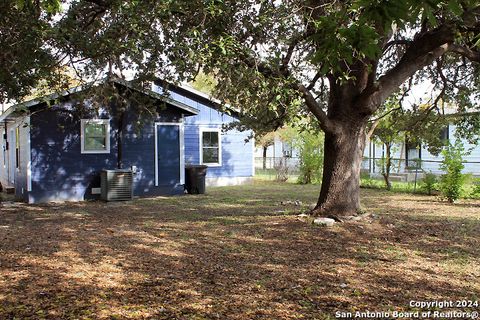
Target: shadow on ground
[236, 253]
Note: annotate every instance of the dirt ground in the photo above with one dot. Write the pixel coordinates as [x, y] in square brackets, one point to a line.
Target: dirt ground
[234, 253]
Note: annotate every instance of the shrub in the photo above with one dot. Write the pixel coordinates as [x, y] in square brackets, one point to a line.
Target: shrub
[311, 157]
[281, 170]
[476, 188]
[452, 181]
[429, 183]
[309, 145]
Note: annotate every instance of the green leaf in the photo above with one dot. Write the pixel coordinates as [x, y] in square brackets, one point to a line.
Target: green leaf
[455, 7]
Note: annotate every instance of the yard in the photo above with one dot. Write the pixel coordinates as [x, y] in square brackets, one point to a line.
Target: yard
[235, 253]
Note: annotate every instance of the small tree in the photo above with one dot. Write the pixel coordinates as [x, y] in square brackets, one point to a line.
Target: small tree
[429, 183]
[389, 130]
[451, 182]
[309, 145]
[311, 158]
[420, 125]
[264, 141]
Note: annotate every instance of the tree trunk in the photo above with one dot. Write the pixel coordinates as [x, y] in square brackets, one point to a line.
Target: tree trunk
[340, 191]
[388, 166]
[265, 157]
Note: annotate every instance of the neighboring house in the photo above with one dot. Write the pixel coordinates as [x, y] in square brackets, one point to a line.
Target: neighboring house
[409, 159]
[56, 153]
[277, 149]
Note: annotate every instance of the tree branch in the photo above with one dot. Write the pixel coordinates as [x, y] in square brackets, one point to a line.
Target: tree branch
[472, 55]
[326, 124]
[423, 51]
[370, 132]
[396, 42]
[317, 76]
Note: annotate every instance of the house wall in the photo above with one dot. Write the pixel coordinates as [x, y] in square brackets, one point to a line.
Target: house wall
[237, 164]
[3, 157]
[276, 150]
[10, 175]
[61, 172]
[430, 162]
[472, 159]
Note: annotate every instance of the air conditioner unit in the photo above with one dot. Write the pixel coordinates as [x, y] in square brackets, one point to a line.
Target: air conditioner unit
[116, 185]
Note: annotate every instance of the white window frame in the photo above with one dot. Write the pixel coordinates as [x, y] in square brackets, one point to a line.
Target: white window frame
[219, 131]
[82, 135]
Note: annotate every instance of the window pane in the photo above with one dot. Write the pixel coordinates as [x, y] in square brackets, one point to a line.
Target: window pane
[95, 136]
[95, 143]
[210, 155]
[95, 130]
[210, 138]
[206, 138]
[444, 135]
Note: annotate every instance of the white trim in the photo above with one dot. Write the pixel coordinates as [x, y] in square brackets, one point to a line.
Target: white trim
[252, 141]
[200, 146]
[11, 156]
[181, 137]
[27, 104]
[187, 87]
[227, 181]
[29, 156]
[82, 135]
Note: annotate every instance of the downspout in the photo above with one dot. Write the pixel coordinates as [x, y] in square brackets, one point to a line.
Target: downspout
[120, 140]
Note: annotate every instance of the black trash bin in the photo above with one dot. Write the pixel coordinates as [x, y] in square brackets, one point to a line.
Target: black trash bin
[195, 178]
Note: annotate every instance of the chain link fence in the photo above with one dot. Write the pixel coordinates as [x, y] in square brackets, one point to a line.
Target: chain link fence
[277, 168]
[411, 170]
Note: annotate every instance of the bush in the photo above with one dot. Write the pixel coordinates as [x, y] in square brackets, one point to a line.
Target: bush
[476, 188]
[281, 170]
[429, 183]
[452, 181]
[309, 145]
[311, 158]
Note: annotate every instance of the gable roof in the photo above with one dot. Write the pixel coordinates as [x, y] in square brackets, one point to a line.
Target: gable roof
[185, 89]
[28, 104]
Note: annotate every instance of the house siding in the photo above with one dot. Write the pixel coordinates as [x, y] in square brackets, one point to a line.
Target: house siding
[430, 162]
[61, 172]
[472, 159]
[237, 149]
[237, 165]
[10, 175]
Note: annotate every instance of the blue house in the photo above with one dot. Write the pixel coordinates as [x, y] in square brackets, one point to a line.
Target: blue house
[54, 148]
[412, 161]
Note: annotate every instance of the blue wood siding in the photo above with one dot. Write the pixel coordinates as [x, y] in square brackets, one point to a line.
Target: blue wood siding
[61, 172]
[237, 155]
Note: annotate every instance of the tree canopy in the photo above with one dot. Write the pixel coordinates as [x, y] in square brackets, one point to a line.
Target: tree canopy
[274, 61]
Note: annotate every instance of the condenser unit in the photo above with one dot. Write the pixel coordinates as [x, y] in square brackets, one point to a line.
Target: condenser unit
[116, 185]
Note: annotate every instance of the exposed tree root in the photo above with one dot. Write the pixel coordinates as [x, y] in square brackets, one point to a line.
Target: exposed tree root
[339, 217]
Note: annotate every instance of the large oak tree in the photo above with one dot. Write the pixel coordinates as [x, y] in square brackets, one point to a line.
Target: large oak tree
[335, 62]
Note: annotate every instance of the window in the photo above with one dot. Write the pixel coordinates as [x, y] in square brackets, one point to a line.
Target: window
[95, 136]
[210, 147]
[287, 150]
[444, 135]
[413, 155]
